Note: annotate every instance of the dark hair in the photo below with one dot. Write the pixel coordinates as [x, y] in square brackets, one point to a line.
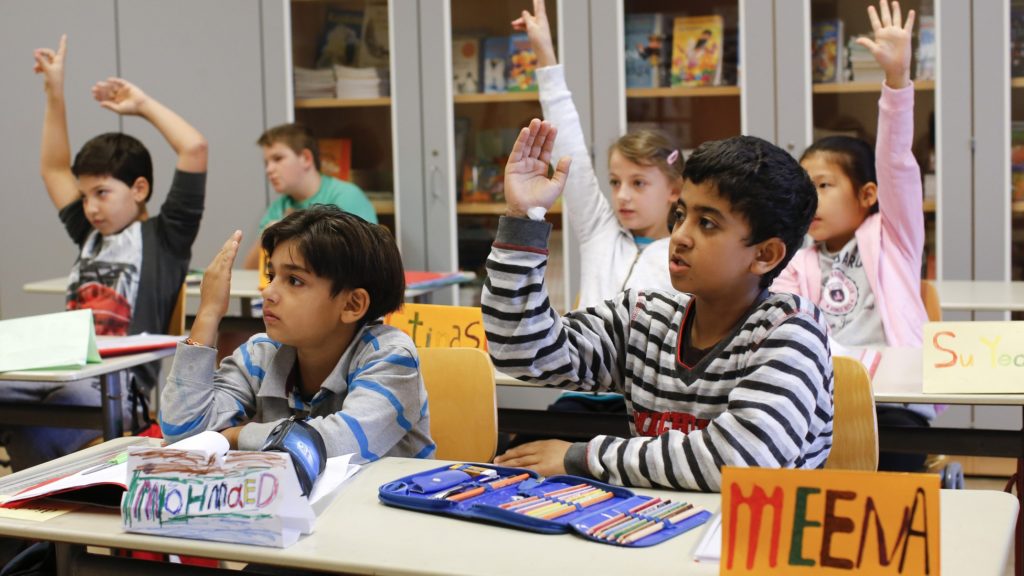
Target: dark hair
[764, 184]
[117, 155]
[348, 251]
[295, 136]
[853, 156]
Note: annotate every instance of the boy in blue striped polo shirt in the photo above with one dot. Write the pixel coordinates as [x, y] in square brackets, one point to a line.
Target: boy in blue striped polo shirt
[325, 355]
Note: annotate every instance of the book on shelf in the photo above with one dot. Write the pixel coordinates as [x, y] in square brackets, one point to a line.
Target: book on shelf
[646, 51]
[462, 126]
[336, 157]
[354, 83]
[697, 50]
[495, 60]
[315, 83]
[926, 48]
[522, 64]
[1016, 40]
[341, 38]
[466, 64]
[827, 51]
[374, 51]
[863, 67]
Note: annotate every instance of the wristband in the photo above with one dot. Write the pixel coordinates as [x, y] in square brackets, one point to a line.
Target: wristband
[306, 447]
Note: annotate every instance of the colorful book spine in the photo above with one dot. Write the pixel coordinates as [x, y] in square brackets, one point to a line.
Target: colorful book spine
[697, 50]
[495, 54]
[466, 65]
[827, 51]
[522, 65]
[646, 51]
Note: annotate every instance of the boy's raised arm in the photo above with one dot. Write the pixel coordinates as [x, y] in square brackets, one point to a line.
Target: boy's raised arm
[55, 153]
[123, 97]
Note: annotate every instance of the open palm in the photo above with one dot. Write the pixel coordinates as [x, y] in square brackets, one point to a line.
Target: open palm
[891, 43]
[526, 174]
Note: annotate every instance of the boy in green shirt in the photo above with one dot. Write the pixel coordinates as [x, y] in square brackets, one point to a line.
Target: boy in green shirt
[292, 160]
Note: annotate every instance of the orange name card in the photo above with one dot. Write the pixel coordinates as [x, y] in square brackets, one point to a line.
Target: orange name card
[973, 357]
[437, 326]
[829, 522]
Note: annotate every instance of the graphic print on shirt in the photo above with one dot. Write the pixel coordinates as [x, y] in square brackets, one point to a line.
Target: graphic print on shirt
[657, 423]
[105, 279]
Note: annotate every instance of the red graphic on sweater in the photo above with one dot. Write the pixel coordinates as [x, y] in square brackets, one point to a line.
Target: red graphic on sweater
[657, 423]
[111, 311]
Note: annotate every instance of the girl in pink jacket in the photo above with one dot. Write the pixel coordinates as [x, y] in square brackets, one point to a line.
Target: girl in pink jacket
[863, 270]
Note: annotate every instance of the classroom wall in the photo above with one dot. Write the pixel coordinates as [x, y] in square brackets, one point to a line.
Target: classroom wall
[218, 64]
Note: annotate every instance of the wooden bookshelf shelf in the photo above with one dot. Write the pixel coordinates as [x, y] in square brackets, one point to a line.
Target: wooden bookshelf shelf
[492, 209]
[497, 97]
[929, 206]
[384, 207]
[1017, 82]
[864, 87]
[336, 103]
[683, 92]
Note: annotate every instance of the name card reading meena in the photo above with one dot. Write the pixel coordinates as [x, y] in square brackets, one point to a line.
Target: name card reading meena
[829, 522]
[973, 357]
[241, 497]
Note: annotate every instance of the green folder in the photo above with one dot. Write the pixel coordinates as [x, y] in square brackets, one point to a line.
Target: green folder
[63, 340]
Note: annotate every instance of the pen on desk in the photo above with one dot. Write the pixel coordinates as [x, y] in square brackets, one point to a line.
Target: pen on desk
[119, 459]
[495, 485]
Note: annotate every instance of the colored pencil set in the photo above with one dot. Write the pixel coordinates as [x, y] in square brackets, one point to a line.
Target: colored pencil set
[558, 503]
[642, 521]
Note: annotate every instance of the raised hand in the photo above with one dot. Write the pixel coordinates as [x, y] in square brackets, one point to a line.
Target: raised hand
[51, 65]
[537, 28]
[526, 174]
[891, 43]
[215, 292]
[119, 96]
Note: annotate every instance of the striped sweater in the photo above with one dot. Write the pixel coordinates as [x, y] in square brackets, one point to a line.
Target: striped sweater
[373, 404]
[761, 397]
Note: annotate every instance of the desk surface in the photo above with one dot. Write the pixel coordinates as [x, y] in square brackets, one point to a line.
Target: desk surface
[244, 284]
[899, 378]
[358, 534]
[980, 295]
[108, 365]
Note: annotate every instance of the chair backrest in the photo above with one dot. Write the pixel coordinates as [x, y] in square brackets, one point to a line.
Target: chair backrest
[854, 424]
[176, 326]
[930, 297]
[463, 402]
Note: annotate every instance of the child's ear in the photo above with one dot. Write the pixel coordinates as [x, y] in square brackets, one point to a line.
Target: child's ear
[868, 195]
[768, 255]
[307, 158]
[140, 190]
[357, 302]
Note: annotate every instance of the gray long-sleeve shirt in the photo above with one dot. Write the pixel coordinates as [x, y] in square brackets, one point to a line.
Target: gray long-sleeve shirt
[372, 404]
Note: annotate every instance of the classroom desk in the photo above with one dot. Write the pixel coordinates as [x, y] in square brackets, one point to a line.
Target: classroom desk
[359, 535]
[111, 372]
[980, 295]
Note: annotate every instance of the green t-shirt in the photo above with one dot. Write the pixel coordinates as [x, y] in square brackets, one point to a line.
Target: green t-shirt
[344, 195]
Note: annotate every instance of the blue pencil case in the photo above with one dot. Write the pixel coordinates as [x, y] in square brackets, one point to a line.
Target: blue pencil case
[520, 498]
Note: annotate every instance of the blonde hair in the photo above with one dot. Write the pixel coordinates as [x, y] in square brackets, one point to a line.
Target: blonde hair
[651, 148]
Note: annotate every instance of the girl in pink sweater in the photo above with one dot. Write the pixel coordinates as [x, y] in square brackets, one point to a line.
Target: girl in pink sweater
[864, 267]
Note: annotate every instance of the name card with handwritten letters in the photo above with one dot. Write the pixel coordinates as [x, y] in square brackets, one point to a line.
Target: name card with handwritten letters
[829, 522]
[973, 357]
[437, 326]
[241, 497]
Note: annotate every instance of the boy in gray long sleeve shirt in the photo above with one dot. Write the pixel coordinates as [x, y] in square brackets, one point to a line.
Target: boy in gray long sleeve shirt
[325, 354]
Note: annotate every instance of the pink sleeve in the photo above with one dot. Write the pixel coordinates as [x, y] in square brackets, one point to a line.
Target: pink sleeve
[900, 200]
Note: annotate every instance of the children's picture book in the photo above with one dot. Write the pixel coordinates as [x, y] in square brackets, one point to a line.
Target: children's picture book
[646, 51]
[374, 47]
[926, 49]
[336, 157]
[827, 54]
[697, 50]
[495, 58]
[340, 42]
[522, 64]
[466, 64]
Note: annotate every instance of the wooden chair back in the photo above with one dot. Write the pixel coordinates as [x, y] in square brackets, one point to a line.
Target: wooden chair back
[463, 402]
[854, 424]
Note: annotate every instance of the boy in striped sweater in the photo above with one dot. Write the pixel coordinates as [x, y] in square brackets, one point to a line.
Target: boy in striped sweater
[325, 356]
[724, 373]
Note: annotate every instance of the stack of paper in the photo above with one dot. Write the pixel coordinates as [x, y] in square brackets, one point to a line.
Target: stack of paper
[863, 66]
[709, 549]
[360, 82]
[311, 83]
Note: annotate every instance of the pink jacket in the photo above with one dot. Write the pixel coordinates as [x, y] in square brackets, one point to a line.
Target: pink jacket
[890, 241]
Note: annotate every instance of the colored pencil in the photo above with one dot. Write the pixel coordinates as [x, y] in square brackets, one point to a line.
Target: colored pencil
[480, 489]
[693, 511]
